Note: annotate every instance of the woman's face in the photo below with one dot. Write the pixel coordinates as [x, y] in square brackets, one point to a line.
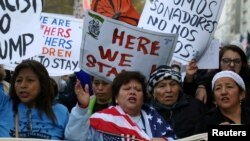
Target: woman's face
[130, 97]
[167, 92]
[231, 61]
[227, 93]
[102, 90]
[27, 86]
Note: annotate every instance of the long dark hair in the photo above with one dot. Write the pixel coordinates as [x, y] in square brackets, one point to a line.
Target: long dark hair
[45, 99]
[234, 48]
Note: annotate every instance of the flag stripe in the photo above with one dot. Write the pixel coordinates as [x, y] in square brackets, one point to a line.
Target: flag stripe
[110, 118]
[117, 123]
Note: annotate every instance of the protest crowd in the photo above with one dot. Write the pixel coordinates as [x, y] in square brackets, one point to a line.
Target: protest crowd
[121, 81]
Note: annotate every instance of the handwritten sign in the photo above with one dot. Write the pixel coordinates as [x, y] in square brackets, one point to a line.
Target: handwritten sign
[61, 43]
[110, 46]
[210, 57]
[194, 20]
[61, 39]
[20, 34]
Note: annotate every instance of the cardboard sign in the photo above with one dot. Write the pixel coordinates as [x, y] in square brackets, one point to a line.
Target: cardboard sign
[61, 43]
[195, 21]
[110, 46]
[210, 58]
[61, 40]
[20, 34]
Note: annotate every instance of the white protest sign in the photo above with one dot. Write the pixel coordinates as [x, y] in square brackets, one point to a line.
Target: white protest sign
[210, 58]
[194, 20]
[20, 33]
[61, 39]
[110, 47]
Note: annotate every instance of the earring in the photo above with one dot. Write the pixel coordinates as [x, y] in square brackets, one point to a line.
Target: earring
[215, 104]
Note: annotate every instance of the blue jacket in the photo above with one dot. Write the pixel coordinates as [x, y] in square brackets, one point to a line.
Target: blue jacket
[39, 127]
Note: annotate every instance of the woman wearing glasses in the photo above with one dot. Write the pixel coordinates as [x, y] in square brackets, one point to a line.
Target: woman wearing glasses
[231, 58]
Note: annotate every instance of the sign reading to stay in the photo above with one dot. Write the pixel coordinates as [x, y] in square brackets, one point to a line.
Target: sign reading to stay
[61, 43]
[110, 46]
[61, 40]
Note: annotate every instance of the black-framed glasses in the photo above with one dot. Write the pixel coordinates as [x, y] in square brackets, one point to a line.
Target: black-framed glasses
[228, 61]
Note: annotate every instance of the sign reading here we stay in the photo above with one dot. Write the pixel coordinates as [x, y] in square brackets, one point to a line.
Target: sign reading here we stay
[110, 46]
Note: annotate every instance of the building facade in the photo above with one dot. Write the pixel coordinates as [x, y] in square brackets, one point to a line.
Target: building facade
[234, 21]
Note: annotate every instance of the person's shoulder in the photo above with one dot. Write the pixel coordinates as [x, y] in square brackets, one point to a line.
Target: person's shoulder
[6, 86]
[57, 107]
[247, 110]
[212, 113]
[195, 101]
[190, 99]
[149, 108]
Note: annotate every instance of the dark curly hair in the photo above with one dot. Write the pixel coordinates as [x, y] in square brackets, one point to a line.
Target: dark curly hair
[124, 78]
[242, 54]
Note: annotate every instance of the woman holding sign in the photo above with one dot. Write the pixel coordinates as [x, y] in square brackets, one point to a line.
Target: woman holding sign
[129, 118]
[29, 110]
[231, 57]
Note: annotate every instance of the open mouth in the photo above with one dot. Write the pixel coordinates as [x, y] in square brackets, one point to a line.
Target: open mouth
[132, 99]
[224, 99]
[23, 94]
[168, 97]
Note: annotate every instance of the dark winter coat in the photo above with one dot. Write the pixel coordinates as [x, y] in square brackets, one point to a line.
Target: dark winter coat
[183, 116]
[215, 117]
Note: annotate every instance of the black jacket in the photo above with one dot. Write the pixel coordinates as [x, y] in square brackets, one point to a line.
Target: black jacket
[205, 78]
[215, 117]
[183, 116]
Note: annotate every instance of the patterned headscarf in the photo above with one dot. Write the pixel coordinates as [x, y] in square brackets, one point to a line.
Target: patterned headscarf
[161, 73]
[229, 74]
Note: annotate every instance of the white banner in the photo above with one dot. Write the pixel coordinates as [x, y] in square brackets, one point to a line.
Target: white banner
[20, 34]
[61, 40]
[110, 46]
[195, 21]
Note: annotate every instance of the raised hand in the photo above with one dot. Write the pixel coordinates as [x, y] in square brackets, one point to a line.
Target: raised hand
[201, 94]
[191, 70]
[82, 94]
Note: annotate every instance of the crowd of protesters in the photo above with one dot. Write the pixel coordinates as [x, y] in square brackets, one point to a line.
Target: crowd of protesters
[161, 108]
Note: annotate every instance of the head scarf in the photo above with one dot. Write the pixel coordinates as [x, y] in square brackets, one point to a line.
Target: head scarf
[229, 74]
[161, 73]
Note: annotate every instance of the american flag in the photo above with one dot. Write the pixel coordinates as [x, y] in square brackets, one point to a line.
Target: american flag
[159, 127]
[118, 126]
[122, 137]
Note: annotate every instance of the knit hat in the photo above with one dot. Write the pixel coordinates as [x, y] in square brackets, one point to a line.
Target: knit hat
[229, 74]
[161, 73]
